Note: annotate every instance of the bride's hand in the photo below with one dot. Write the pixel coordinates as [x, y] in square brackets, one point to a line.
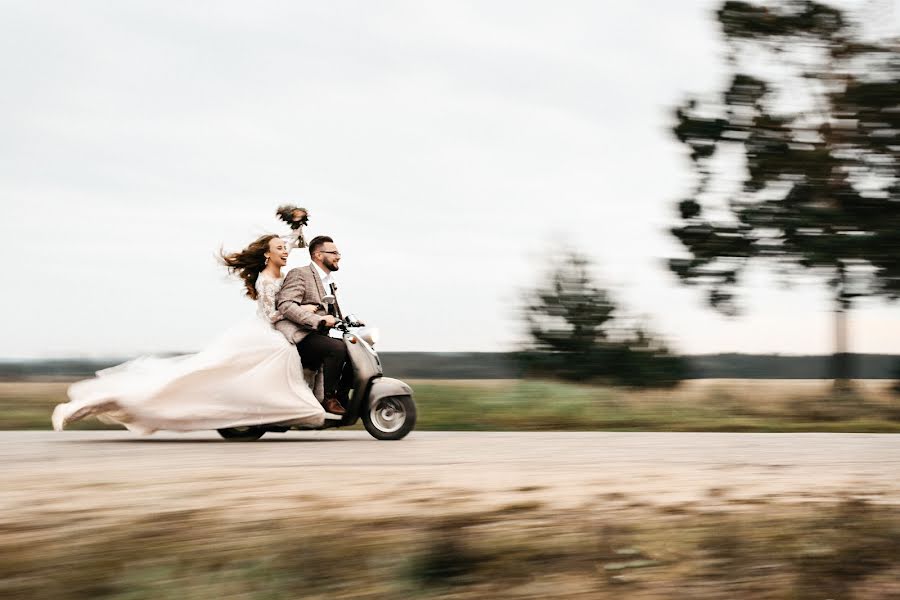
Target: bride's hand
[310, 308]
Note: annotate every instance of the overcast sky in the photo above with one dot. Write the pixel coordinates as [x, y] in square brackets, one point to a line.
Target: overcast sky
[446, 146]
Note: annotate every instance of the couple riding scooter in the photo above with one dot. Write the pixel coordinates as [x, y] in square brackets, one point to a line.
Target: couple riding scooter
[352, 384]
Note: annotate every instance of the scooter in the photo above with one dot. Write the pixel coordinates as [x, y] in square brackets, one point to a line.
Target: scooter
[385, 405]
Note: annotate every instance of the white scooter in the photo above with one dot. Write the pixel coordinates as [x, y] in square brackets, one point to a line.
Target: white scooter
[385, 405]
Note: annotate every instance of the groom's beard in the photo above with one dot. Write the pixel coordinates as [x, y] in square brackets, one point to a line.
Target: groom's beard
[331, 266]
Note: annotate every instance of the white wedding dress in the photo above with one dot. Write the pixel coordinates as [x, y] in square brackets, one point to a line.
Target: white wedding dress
[250, 375]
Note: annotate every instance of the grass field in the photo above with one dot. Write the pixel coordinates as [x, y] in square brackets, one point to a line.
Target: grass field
[526, 405]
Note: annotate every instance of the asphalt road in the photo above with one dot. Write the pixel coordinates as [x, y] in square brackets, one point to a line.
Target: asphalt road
[113, 474]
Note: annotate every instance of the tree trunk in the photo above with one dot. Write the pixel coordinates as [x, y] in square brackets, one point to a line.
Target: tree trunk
[841, 369]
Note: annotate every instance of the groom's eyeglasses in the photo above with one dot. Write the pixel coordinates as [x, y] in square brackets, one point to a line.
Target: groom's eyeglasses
[335, 252]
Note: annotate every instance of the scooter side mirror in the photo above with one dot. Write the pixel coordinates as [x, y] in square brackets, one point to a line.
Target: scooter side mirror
[328, 299]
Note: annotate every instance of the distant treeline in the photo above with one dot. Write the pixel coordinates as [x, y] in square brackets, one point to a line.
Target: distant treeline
[489, 365]
[498, 365]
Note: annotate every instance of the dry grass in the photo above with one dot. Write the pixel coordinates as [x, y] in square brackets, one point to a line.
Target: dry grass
[849, 550]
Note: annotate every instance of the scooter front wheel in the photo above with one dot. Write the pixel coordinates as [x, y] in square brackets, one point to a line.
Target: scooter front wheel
[242, 434]
[390, 418]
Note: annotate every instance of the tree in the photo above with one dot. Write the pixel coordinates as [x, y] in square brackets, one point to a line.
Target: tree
[575, 334]
[812, 110]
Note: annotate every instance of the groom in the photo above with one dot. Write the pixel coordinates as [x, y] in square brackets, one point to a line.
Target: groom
[308, 285]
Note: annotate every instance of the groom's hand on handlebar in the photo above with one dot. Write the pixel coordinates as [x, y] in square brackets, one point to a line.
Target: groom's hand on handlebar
[326, 323]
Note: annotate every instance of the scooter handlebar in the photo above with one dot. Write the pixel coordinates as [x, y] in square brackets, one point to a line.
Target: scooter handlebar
[352, 321]
[323, 328]
[342, 326]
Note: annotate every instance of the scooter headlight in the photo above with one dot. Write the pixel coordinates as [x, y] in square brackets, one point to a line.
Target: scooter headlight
[371, 335]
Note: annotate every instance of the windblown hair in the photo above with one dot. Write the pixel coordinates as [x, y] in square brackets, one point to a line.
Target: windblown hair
[317, 242]
[249, 262]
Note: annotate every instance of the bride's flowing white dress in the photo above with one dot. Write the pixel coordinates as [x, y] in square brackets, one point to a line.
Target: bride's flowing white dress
[250, 375]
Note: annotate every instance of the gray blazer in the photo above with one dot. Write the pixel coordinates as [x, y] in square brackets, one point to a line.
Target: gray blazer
[301, 286]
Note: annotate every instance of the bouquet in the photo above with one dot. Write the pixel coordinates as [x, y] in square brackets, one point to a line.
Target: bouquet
[296, 217]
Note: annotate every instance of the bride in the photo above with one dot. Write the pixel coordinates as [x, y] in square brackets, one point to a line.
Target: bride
[250, 375]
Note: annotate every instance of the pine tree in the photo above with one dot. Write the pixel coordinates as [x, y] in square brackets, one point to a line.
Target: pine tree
[574, 334]
[813, 111]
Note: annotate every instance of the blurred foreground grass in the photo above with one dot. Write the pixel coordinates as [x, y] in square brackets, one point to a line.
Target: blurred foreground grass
[848, 550]
[526, 405]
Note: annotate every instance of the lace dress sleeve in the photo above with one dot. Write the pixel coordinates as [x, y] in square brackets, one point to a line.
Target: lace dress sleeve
[266, 289]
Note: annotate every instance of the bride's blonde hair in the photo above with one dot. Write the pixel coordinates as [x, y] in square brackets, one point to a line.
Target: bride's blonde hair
[249, 262]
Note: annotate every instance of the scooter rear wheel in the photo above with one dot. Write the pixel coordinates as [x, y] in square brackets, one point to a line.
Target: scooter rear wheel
[242, 434]
[390, 418]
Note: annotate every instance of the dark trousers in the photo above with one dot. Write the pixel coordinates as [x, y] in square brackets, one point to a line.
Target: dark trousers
[320, 351]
